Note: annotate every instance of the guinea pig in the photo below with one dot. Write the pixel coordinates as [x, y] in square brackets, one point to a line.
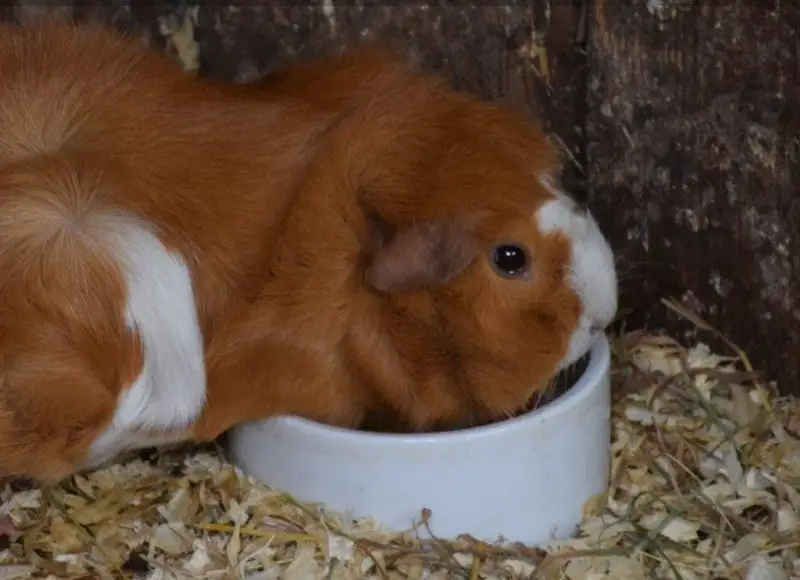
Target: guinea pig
[178, 256]
[429, 267]
[137, 206]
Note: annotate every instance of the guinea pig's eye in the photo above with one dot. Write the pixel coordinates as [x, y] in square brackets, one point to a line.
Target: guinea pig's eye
[509, 260]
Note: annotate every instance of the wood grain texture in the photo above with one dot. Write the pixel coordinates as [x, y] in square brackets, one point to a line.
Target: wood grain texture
[694, 162]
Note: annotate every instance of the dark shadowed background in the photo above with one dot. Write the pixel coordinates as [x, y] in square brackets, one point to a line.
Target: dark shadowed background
[679, 121]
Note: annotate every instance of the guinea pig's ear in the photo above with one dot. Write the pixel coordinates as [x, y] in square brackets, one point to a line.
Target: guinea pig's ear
[417, 255]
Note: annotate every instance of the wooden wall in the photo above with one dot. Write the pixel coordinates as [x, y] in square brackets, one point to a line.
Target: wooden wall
[679, 119]
[693, 150]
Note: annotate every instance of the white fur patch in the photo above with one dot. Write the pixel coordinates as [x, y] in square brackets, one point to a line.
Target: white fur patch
[592, 274]
[170, 392]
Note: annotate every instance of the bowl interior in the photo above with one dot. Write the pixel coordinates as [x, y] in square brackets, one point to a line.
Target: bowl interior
[561, 383]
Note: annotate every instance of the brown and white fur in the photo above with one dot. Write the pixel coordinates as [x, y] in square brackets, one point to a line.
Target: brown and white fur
[137, 205]
[177, 256]
[382, 300]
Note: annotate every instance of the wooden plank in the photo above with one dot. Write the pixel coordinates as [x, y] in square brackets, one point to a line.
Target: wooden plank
[694, 161]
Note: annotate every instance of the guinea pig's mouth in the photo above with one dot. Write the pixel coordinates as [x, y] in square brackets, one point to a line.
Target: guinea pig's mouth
[559, 384]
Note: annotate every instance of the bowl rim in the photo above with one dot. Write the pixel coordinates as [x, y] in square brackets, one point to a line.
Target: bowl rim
[599, 364]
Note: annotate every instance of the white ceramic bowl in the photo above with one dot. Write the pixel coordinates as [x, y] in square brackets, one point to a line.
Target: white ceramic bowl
[522, 480]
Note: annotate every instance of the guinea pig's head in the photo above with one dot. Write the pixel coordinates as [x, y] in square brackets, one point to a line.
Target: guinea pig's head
[487, 278]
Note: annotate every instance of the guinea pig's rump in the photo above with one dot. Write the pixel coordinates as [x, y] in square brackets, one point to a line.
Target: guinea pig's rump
[384, 421]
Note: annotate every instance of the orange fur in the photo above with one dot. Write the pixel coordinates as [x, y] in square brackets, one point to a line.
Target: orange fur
[336, 219]
[415, 324]
[92, 122]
